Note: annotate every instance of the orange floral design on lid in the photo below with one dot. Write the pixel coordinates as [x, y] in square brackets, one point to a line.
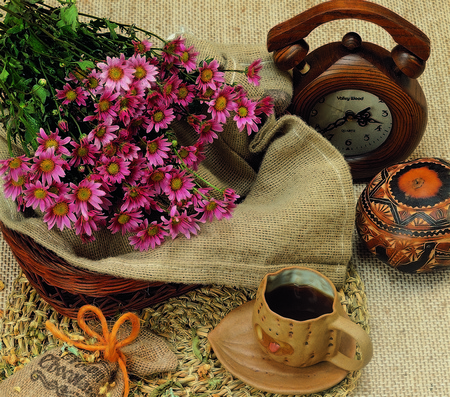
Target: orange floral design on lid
[420, 182]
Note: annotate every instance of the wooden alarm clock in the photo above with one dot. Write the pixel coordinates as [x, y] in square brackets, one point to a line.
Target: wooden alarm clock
[364, 99]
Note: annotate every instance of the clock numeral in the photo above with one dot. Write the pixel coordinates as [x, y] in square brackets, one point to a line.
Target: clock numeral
[314, 113]
[348, 142]
[321, 100]
[367, 137]
[378, 128]
[385, 113]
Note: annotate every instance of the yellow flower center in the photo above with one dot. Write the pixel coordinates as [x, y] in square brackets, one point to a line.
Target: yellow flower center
[84, 194]
[40, 193]
[92, 83]
[140, 72]
[208, 93]
[19, 182]
[221, 103]
[152, 147]
[182, 93]
[82, 151]
[243, 111]
[134, 193]
[211, 206]
[115, 73]
[15, 163]
[176, 183]
[157, 176]
[47, 165]
[158, 116]
[123, 218]
[61, 209]
[71, 95]
[153, 230]
[104, 105]
[185, 56]
[206, 75]
[100, 132]
[183, 153]
[113, 169]
[168, 89]
[51, 143]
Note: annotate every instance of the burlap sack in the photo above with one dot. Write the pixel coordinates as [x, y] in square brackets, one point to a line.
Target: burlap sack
[298, 206]
[59, 373]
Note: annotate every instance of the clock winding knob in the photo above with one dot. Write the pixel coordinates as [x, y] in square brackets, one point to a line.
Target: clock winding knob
[290, 56]
[352, 41]
[407, 62]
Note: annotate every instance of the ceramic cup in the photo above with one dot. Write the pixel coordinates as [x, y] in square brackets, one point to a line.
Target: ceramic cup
[298, 320]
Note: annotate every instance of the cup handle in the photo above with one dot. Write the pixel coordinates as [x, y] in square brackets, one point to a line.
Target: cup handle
[362, 338]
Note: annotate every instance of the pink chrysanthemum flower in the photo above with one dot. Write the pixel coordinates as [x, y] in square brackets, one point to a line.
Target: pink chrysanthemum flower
[61, 214]
[92, 82]
[125, 221]
[148, 235]
[85, 225]
[265, 105]
[159, 118]
[129, 107]
[252, 72]
[208, 130]
[245, 116]
[114, 169]
[209, 76]
[102, 134]
[173, 50]
[70, 95]
[135, 197]
[14, 187]
[188, 58]
[177, 185]
[86, 196]
[170, 89]
[184, 224]
[195, 120]
[144, 72]
[47, 142]
[222, 104]
[83, 153]
[106, 108]
[38, 195]
[213, 208]
[61, 189]
[156, 177]
[15, 166]
[49, 167]
[157, 151]
[188, 156]
[127, 150]
[141, 47]
[185, 94]
[116, 74]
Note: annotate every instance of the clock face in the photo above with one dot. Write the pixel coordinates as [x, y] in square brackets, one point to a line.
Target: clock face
[354, 121]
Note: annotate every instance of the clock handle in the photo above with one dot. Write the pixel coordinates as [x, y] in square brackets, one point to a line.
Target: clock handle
[287, 39]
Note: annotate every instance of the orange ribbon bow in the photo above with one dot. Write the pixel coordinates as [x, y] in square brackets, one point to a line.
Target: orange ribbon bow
[107, 343]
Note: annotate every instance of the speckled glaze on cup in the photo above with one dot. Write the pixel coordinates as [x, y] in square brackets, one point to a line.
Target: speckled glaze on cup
[305, 343]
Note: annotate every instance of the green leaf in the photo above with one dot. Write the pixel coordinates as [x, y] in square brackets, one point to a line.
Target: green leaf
[69, 17]
[4, 74]
[84, 65]
[112, 29]
[15, 29]
[40, 92]
[36, 44]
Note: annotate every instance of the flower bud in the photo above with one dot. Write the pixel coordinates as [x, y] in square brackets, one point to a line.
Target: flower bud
[42, 82]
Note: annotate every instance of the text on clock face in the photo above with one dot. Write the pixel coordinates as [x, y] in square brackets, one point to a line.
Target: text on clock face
[353, 98]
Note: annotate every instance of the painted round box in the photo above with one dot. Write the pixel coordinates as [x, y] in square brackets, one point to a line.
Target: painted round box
[403, 215]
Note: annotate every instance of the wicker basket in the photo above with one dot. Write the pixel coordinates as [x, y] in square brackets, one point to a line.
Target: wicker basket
[67, 288]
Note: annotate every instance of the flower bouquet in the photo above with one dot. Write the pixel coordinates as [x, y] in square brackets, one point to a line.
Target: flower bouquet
[92, 109]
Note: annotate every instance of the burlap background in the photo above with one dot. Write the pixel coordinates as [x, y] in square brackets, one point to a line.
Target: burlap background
[409, 314]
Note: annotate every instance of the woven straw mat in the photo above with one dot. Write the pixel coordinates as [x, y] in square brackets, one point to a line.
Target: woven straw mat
[409, 313]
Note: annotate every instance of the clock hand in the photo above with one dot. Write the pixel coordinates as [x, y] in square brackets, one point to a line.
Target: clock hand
[339, 122]
[364, 117]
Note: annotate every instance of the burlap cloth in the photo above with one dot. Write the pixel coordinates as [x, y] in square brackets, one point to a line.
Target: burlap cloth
[409, 313]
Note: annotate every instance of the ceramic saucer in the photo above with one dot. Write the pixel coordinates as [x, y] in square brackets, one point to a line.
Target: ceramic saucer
[237, 349]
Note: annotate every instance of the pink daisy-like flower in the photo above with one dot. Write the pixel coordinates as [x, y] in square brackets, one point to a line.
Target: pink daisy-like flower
[188, 156]
[184, 224]
[85, 225]
[102, 134]
[49, 167]
[222, 104]
[84, 153]
[156, 177]
[106, 108]
[185, 94]
[170, 89]
[209, 76]
[114, 169]
[141, 47]
[92, 82]
[125, 221]
[129, 107]
[177, 185]
[59, 188]
[144, 72]
[159, 118]
[47, 142]
[213, 208]
[245, 116]
[135, 197]
[116, 73]
[14, 187]
[86, 196]
[252, 72]
[38, 195]
[61, 213]
[15, 166]
[157, 151]
[173, 49]
[70, 95]
[148, 235]
[195, 120]
[188, 58]
[265, 105]
[208, 130]
[127, 150]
